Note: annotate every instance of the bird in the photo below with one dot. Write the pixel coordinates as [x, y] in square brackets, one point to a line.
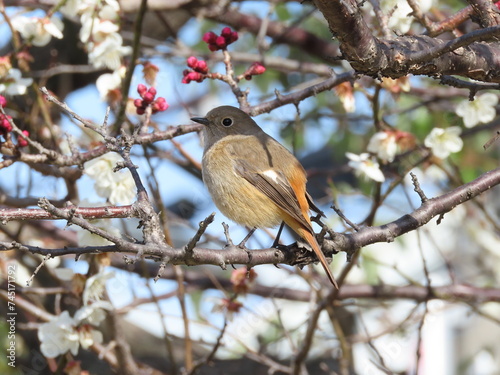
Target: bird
[253, 179]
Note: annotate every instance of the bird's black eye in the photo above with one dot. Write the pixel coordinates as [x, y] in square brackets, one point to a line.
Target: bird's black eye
[227, 121]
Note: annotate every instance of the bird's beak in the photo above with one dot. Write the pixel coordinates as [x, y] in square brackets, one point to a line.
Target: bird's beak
[200, 120]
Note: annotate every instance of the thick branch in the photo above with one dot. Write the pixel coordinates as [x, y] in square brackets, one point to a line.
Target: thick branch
[485, 12]
[404, 55]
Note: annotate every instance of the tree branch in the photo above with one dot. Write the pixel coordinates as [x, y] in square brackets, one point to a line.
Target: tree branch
[293, 254]
[396, 57]
[88, 213]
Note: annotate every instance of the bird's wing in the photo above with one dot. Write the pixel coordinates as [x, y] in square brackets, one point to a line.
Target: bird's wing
[313, 207]
[275, 186]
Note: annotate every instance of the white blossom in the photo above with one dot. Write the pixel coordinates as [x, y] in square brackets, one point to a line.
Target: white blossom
[99, 31]
[37, 30]
[109, 52]
[116, 187]
[102, 167]
[95, 29]
[64, 333]
[70, 8]
[123, 190]
[94, 313]
[399, 13]
[88, 336]
[443, 142]
[14, 84]
[59, 336]
[345, 92]
[482, 109]
[110, 11]
[95, 286]
[383, 144]
[110, 81]
[365, 165]
[107, 9]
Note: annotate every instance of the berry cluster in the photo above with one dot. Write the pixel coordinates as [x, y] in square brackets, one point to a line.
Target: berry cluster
[148, 99]
[216, 42]
[6, 126]
[198, 70]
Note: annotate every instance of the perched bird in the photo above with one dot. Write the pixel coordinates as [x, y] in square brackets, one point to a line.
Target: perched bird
[253, 179]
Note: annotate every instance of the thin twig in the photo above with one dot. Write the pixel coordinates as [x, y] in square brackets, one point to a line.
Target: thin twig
[339, 212]
[493, 139]
[209, 358]
[201, 229]
[38, 268]
[417, 188]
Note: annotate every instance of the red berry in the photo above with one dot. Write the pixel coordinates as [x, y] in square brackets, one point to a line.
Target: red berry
[160, 105]
[141, 89]
[201, 67]
[195, 76]
[152, 91]
[21, 142]
[209, 37]
[257, 68]
[192, 61]
[213, 47]
[5, 125]
[230, 35]
[148, 98]
[232, 38]
[221, 42]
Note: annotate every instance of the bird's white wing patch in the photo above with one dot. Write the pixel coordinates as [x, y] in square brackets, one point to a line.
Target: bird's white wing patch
[271, 174]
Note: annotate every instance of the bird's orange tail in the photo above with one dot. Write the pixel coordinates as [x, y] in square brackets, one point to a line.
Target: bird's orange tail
[311, 240]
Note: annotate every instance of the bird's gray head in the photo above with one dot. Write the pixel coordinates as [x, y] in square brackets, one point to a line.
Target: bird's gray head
[224, 121]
